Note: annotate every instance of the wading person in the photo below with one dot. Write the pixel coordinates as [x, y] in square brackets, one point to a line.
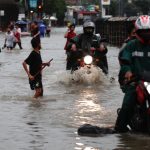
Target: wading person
[135, 60]
[17, 35]
[69, 35]
[9, 39]
[34, 61]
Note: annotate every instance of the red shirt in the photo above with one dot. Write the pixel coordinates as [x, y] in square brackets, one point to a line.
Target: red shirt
[70, 35]
[17, 36]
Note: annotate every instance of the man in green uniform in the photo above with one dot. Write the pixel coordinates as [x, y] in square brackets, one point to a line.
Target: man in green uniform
[135, 59]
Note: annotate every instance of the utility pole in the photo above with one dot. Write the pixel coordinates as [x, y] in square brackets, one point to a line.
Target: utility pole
[79, 2]
[101, 8]
[26, 8]
[120, 8]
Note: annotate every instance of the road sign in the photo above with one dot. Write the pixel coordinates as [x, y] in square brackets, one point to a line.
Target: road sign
[33, 3]
[105, 2]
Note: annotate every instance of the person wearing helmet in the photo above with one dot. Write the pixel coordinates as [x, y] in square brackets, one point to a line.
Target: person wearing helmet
[68, 35]
[135, 59]
[88, 42]
[131, 36]
[88, 28]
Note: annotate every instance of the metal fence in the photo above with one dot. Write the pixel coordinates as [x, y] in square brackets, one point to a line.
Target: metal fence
[115, 29]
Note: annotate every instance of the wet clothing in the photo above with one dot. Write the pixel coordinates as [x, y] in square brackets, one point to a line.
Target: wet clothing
[135, 57]
[9, 38]
[103, 64]
[48, 31]
[42, 29]
[35, 84]
[17, 36]
[70, 35]
[124, 44]
[34, 61]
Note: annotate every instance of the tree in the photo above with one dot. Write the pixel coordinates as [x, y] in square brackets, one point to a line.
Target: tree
[55, 6]
[90, 2]
[47, 6]
[130, 9]
[113, 8]
[142, 5]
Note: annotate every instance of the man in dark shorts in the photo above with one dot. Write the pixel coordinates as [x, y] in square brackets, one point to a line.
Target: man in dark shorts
[34, 61]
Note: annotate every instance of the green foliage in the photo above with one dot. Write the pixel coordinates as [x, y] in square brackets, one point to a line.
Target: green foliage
[90, 2]
[55, 6]
[47, 6]
[130, 9]
[113, 6]
[142, 5]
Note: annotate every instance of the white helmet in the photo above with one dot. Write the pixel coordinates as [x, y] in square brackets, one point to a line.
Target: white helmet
[142, 22]
[88, 24]
[142, 26]
[88, 28]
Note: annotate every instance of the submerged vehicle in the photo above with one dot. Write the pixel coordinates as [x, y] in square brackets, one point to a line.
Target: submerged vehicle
[82, 61]
[88, 58]
[84, 69]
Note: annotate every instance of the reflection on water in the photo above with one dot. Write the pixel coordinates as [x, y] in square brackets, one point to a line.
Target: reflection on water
[34, 122]
[86, 148]
[136, 141]
[87, 107]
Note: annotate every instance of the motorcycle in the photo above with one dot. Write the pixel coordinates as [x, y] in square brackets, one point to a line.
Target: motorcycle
[85, 71]
[140, 121]
[87, 60]
[97, 58]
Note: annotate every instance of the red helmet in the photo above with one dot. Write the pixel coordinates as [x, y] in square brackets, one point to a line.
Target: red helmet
[142, 26]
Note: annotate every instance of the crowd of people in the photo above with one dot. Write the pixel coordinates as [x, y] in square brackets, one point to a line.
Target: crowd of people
[13, 37]
[13, 34]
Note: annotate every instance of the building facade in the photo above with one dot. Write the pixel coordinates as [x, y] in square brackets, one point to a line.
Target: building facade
[73, 2]
[9, 11]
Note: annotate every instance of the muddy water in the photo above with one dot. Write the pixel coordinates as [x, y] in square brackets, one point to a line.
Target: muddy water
[51, 123]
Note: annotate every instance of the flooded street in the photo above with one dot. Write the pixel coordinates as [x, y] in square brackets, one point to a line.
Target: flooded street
[51, 123]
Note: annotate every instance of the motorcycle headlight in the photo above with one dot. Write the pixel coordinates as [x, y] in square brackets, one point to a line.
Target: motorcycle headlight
[88, 60]
[147, 85]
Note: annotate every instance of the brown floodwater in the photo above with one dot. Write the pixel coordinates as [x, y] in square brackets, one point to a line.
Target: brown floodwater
[51, 122]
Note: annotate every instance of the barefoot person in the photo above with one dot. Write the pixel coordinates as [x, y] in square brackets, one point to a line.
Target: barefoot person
[32, 65]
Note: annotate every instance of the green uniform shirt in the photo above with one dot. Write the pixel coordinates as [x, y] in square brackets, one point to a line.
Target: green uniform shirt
[135, 57]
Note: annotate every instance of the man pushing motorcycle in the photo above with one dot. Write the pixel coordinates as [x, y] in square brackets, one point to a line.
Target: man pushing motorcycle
[88, 43]
[135, 60]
